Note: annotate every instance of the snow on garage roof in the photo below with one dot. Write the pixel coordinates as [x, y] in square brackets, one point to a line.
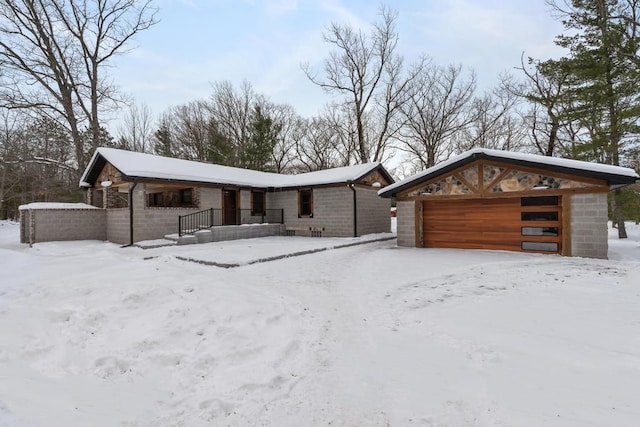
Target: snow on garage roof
[147, 166]
[615, 175]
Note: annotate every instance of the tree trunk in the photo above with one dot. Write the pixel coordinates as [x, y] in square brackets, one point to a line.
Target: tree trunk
[618, 217]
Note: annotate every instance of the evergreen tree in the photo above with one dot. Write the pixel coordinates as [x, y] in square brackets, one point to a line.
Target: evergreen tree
[603, 91]
[257, 155]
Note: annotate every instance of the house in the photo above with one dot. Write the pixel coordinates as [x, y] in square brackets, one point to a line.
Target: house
[145, 197]
[489, 199]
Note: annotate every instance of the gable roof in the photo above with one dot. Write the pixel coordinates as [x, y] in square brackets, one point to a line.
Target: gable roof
[149, 167]
[614, 175]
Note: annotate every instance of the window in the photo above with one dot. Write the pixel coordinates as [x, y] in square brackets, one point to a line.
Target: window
[540, 231]
[172, 198]
[186, 197]
[540, 246]
[156, 199]
[305, 203]
[539, 201]
[257, 203]
[539, 216]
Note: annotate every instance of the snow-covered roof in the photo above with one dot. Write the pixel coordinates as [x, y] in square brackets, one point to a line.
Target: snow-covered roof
[147, 166]
[55, 205]
[615, 175]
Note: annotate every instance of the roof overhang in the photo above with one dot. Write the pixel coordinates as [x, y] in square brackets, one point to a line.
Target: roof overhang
[99, 160]
[614, 180]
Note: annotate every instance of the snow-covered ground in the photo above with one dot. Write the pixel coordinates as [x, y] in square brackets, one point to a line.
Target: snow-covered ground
[92, 334]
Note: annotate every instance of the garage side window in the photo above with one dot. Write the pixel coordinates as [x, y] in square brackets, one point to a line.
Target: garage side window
[305, 203]
[540, 224]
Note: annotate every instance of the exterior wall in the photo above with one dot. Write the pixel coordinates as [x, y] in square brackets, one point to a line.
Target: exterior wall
[332, 211]
[374, 213]
[210, 198]
[150, 223]
[245, 203]
[245, 199]
[118, 225]
[406, 214]
[589, 225]
[46, 225]
[25, 227]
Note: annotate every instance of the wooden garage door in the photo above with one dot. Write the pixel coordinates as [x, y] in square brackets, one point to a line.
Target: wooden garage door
[529, 224]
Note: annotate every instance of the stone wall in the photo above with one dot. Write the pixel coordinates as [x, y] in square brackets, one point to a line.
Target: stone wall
[589, 225]
[46, 225]
[406, 223]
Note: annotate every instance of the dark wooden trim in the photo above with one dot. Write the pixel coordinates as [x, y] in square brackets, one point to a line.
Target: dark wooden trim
[495, 180]
[467, 183]
[310, 189]
[566, 225]
[507, 194]
[605, 178]
[419, 223]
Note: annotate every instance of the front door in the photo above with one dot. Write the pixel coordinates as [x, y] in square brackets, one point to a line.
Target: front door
[229, 207]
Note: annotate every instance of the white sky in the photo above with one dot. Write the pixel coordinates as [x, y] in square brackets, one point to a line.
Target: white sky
[198, 42]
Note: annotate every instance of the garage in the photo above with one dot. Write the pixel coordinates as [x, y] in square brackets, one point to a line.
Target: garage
[501, 200]
[515, 224]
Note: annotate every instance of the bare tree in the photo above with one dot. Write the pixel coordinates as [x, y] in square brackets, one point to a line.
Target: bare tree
[367, 71]
[197, 135]
[543, 88]
[284, 149]
[494, 125]
[315, 145]
[233, 111]
[437, 108]
[53, 53]
[9, 124]
[136, 131]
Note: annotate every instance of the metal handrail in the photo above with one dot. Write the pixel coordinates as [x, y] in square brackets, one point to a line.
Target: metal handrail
[202, 220]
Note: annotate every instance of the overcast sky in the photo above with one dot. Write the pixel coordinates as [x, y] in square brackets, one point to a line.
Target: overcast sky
[264, 42]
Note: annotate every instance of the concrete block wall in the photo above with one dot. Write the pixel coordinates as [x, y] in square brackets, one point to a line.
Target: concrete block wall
[406, 214]
[151, 223]
[26, 229]
[118, 226]
[374, 213]
[332, 211]
[210, 198]
[245, 203]
[589, 216]
[47, 225]
[246, 232]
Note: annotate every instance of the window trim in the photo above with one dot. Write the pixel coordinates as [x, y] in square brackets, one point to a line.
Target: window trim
[175, 199]
[300, 203]
[263, 211]
[182, 192]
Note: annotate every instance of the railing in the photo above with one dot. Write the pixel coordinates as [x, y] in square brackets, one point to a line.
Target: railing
[190, 223]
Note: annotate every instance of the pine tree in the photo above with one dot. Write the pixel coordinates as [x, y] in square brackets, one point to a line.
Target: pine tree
[603, 89]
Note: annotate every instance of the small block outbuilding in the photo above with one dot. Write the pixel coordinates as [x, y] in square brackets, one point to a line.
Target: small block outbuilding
[490, 199]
